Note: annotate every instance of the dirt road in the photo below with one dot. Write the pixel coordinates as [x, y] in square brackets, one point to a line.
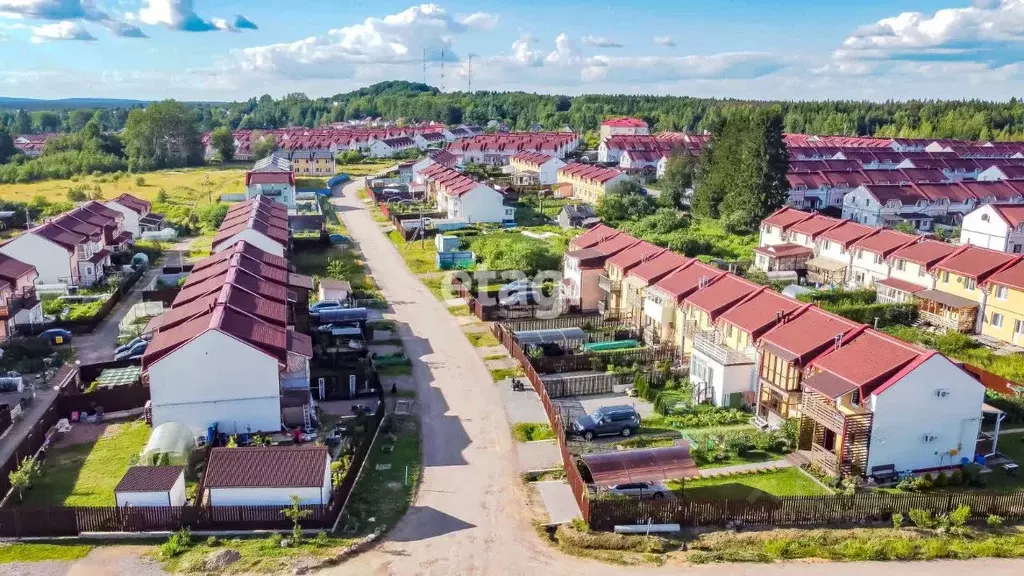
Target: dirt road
[469, 516]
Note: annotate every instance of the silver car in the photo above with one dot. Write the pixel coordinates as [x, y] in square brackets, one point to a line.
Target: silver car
[654, 490]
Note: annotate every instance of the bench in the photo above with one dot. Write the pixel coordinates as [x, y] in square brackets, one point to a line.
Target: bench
[884, 474]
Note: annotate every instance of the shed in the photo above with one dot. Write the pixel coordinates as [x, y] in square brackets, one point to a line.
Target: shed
[151, 486]
[333, 289]
[268, 475]
[576, 216]
[668, 463]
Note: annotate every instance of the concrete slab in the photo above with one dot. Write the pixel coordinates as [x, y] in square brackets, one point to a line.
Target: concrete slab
[542, 455]
[521, 405]
[558, 500]
[452, 302]
[591, 403]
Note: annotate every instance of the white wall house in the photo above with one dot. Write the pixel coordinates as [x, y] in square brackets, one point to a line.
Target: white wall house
[995, 226]
[55, 262]
[265, 476]
[151, 486]
[388, 147]
[926, 418]
[479, 204]
[134, 210]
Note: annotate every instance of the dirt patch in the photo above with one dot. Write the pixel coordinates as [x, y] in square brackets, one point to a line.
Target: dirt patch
[85, 434]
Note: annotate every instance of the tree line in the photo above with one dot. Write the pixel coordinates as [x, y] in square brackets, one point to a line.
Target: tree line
[964, 119]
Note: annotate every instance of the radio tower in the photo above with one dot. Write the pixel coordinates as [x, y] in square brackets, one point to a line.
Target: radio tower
[442, 70]
[470, 88]
[424, 65]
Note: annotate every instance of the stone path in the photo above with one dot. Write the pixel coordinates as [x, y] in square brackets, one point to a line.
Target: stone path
[751, 468]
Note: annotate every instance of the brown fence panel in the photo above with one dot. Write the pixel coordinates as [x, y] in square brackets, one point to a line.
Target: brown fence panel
[598, 360]
[113, 399]
[585, 385]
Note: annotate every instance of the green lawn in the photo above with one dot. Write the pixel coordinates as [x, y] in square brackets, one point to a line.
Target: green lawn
[86, 474]
[258, 555]
[500, 374]
[785, 482]
[419, 255]
[31, 552]
[532, 431]
[482, 339]
[439, 286]
[385, 495]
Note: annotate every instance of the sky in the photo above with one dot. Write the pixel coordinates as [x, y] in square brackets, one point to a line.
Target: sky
[219, 50]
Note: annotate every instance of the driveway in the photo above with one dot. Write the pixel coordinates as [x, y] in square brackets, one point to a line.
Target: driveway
[99, 345]
[470, 514]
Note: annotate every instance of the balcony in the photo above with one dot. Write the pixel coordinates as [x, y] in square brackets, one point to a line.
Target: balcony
[836, 432]
[949, 321]
[690, 328]
[607, 284]
[710, 344]
[25, 300]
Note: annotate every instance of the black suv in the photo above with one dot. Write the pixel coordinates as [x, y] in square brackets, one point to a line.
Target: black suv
[607, 421]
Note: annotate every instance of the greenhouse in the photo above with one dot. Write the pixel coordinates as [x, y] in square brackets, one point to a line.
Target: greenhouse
[170, 444]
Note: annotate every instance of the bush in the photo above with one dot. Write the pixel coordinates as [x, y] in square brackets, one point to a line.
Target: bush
[956, 477]
[897, 520]
[941, 480]
[321, 540]
[212, 541]
[922, 518]
[994, 521]
[140, 181]
[177, 544]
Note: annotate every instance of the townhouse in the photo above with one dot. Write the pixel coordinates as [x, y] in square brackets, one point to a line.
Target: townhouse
[919, 204]
[638, 279]
[995, 226]
[530, 168]
[260, 222]
[425, 140]
[389, 147]
[624, 127]
[798, 249]
[611, 149]
[910, 270]
[433, 157]
[1004, 304]
[224, 355]
[463, 198]
[697, 312]
[18, 301]
[497, 149]
[873, 401]
[273, 178]
[137, 213]
[313, 163]
[870, 262]
[616, 268]
[589, 182]
[1006, 172]
[833, 260]
[583, 266]
[662, 301]
[959, 298]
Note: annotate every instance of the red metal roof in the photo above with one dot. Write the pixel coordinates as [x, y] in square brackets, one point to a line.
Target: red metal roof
[786, 216]
[592, 237]
[625, 123]
[12, 270]
[976, 262]
[137, 205]
[589, 172]
[267, 467]
[1013, 214]
[615, 244]
[684, 281]
[868, 360]
[1012, 276]
[60, 236]
[269, 178]
[885, 242]
[721, 294]
[927, 252]
[634, 255]
[533, 158]
[847, 233]
[901, 285]
[814, 225]
[784, 250]
[658, 267]
[760, 311]
[807, 333]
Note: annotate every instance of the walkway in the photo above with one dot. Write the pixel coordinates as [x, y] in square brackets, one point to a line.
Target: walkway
[470, 515]
[99, 345]
[750, 468]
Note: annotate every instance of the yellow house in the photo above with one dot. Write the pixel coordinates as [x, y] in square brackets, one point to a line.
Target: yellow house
[662, 299]
[616, 268]
[589, 182]
[1004, 308]
[958, 299]
[636, 282]
[313, 163]
[699, 311]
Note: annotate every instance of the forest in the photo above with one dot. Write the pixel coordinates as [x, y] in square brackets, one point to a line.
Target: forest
[968, 119]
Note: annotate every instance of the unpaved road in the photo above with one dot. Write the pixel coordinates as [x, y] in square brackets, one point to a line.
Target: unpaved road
[470, 514]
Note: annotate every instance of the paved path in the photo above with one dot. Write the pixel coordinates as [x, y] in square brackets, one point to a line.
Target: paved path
[746, 468]
[99, 345]
[469, 516]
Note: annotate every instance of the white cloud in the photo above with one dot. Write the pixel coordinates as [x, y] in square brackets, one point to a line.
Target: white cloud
[990, 31]
[522, 53]
[664, 41]
[731, 65]
[180, 15]
[395, 39]
[479, 21]
[53, 9]
[565, 52]
[66, 30]
[600, 42]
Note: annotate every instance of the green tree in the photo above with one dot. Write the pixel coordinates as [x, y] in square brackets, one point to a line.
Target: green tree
[679, 174]
[21, 478]
[264, 146]
[7, 148]
[625, 201]
[49, 121]
[296, 514]
[23, 122]
[163, 135]
[223, 141]
[905, 227]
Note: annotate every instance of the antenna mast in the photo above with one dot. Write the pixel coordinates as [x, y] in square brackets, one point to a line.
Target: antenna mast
[424, 65]
[470, 89]
[442, 70]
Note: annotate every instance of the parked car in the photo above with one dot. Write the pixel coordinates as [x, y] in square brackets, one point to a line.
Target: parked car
[655, 490]
[132, 352]
[517, 286]
[56, 336]
[325, 305]
[524, 298]
[607, 421]
[129, 345]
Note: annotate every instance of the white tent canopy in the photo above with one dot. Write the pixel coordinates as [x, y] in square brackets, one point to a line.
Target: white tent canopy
[169, 444]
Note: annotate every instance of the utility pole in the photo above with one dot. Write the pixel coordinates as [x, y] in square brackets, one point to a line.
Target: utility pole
[442, 70]
[470, 89]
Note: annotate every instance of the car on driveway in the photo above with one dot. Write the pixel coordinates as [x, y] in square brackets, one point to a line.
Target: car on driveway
[325, 305]
[654, 490]
[56, 336]
[607, 421]
[524, 298]
[131, 344]
[132, 352]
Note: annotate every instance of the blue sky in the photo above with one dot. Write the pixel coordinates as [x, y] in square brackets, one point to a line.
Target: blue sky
[778, 49]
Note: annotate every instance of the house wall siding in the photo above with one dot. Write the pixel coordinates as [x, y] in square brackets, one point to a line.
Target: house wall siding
[255, 238]
[52, 262]
[910, 408]
[131, 218]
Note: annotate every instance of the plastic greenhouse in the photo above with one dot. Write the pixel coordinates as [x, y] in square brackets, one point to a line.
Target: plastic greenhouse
[170, 444]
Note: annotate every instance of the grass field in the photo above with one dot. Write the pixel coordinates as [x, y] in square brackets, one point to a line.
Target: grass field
[86, 474]
[785, 482]
[32, 552]
[186, 184]
[482, 339]
[419, 255]
[366, 168]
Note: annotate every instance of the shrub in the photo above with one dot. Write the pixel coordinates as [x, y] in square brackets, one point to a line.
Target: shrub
[140, 181]
[958, 518]
[212, 541]
[177, 544]
[994, 521]
[897, 520]
[320, 540]
[941, 480]
[922, 518]
[956, 477]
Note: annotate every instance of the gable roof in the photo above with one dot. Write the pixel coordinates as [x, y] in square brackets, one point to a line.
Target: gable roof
[1012, 214]
[885, 242]
[659, 266]
[625, 123]
[814, 225]
[1011, 276]
[847, 233]
[267, 467]
[593, 237]
[926, 252]
[758, 312]
[134, 204]
[685, 280]
[726, 291]
[976, 262]
[635, 255]
[59, 236]
[806, 333]
[785, 217]
[868, 360]
[149, 478]
[12, 269]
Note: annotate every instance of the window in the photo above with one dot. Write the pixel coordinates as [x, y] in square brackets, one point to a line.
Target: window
[1001, 292]
[1018, 327]
[945, 277]
[860, 254]
[728, 330]
[827, 244]
[997, 320]
[1016, 248]
[878, 258]
[920, 271]
[970, 284]
[901, 265]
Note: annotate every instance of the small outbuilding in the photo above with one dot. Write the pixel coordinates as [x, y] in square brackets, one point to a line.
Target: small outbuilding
[268, 475]
[332, 289]
[151, 486]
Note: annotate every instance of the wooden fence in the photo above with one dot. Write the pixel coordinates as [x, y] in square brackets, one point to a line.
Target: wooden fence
[584, 321]
[583, 384]
[599, 360]
[605, 514]
[113, 399]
